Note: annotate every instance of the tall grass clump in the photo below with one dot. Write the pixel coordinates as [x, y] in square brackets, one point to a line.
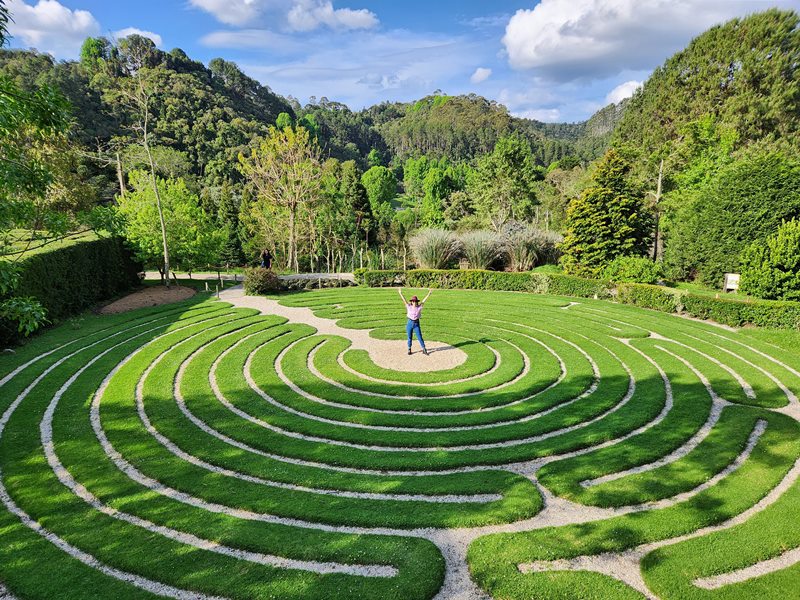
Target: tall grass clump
[526, 246]
[434, 248]
[481, 248]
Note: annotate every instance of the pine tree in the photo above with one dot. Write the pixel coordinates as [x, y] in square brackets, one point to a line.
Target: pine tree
[608, 220]
[228, 217]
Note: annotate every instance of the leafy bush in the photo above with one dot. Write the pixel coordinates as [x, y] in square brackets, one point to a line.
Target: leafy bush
[649, 296]
[434, 248]
[261, 281]
[771, 270]
[481, 248]
[736, 313]
[633, 269]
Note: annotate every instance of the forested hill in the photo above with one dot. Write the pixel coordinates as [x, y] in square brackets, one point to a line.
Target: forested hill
[743, 77]
[208, 114]
[463, 127]
[205, 113]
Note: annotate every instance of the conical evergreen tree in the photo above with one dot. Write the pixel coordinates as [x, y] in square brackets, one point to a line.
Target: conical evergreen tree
[607, 221]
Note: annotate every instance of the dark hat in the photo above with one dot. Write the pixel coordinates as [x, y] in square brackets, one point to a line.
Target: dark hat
[414, 299]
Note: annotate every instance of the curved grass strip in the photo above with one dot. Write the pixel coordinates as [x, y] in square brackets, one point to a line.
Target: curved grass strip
[289, 503]
[494, 559]
[675, 572]
[131, 535]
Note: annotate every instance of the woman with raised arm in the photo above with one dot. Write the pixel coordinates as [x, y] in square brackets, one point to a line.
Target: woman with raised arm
[413, 312]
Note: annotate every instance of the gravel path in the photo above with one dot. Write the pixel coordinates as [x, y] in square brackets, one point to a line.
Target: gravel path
[384, 353]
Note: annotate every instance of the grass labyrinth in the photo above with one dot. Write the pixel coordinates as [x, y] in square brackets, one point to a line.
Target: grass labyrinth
[582, 450]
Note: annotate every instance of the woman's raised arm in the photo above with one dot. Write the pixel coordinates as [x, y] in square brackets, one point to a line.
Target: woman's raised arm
[399, 291]
[430, 291]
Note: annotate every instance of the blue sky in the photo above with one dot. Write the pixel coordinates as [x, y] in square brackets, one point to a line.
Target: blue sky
[553, 60]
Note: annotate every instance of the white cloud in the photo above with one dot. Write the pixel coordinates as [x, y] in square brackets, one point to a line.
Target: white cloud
[123, 33]
[231, 12]
[294, 15]
[307, 15]
[259, 39]
[480, 75]
[622, 91]
[52, 27]
[367, 67]
[546, 115]
[573, 39]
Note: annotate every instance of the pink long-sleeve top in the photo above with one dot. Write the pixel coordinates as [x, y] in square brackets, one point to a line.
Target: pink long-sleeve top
[413, 311]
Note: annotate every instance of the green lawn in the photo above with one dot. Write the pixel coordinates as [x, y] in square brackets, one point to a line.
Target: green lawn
[202, 450]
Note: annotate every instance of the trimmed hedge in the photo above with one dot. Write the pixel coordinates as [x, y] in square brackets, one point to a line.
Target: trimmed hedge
[537, 283]
[260, 281]
[736, 313]
[70, 279]
[649, 296]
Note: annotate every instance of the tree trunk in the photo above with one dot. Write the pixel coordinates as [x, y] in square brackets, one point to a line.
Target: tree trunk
[120, 177]
[292, 242]
[158, 197]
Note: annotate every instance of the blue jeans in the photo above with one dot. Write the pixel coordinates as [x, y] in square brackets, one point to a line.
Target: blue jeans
[412, 327]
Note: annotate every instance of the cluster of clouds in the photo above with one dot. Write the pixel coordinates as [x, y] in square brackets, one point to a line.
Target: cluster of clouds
[51, 27]
[568, 39]
[556, 59]
[294, 15]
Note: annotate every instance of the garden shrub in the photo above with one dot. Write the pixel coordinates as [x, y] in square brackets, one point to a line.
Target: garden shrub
[261, 281]
[70, 279]
[633, 269]
[771, 269]
[736, 313]
[435, 248]
[649, 296]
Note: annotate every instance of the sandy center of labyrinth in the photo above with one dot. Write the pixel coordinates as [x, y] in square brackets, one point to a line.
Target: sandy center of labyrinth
[388, 354]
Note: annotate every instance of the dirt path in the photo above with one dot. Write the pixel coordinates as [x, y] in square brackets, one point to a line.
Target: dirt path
[151, 296]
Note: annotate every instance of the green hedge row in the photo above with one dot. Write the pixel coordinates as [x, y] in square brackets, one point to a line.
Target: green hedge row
[736, 313]
[537, 283]
[68, 280]
[654, 297]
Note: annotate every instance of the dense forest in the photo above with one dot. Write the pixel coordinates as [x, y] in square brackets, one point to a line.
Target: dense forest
[200, 165]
